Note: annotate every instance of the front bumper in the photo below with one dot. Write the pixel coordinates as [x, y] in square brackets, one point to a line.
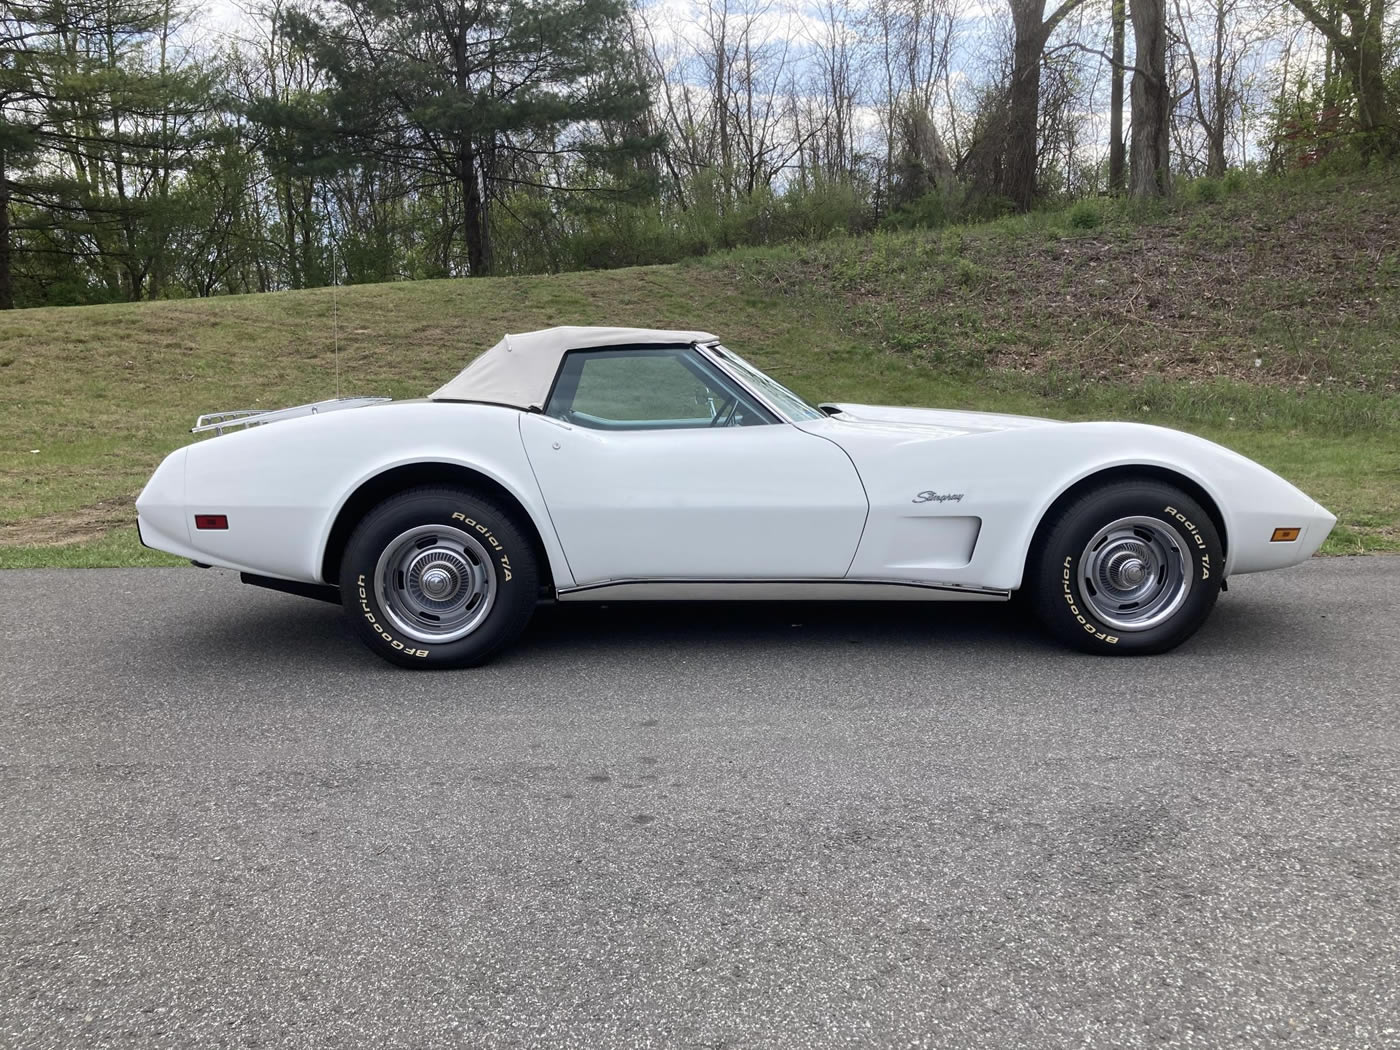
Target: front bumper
[1254, 551]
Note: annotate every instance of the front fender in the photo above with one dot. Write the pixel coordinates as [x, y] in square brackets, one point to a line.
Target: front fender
[1008, 479]
[1251, 499]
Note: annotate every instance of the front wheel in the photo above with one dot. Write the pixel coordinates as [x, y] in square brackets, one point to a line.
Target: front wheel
[1132, 567]
[438, 577]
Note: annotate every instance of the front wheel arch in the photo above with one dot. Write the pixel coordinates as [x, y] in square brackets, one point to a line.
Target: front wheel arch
[1108, 476]
[375, 490]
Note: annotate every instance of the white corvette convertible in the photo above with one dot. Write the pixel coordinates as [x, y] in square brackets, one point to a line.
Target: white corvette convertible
[608, 464]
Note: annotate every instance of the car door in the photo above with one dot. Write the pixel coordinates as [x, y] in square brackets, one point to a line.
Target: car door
[654, 464]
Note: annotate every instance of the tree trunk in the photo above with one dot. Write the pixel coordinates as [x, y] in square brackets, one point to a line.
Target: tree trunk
[295, 277]
[721, 106]
[1215, 150]
[1151, 149]
[1368, 76]
[473, 214]
[1222, 103]
[1018, 176]
[7, 285]
[1116, 158]
[155, 286]
[310, 272]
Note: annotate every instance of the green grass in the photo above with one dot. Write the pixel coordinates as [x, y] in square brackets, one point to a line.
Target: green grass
[1287, 285]
[118, 547]
[1265, 318]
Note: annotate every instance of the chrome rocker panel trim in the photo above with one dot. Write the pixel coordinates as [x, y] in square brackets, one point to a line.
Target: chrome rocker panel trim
[777, 590]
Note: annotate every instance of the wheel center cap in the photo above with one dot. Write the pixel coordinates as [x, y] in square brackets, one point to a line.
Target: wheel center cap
[1132, 572]
[437, 582]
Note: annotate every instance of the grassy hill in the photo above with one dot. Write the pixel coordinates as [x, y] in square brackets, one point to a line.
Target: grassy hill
[1267, 318]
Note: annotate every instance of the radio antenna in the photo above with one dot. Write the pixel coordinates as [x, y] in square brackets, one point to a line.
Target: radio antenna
[335, 314]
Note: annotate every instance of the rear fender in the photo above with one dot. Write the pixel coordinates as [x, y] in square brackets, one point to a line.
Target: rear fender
[284, 487]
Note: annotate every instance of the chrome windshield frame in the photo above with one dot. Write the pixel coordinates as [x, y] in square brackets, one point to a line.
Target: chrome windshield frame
[707, 350]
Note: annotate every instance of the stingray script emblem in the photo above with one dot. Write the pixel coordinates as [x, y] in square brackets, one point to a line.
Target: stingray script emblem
[929, 496]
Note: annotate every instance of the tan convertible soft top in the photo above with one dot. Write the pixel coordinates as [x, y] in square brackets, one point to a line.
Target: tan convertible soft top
[520, 369]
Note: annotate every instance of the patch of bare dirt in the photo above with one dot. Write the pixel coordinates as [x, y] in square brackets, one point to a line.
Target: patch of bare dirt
[1275, 301]
[1291, 286]
[69, 527]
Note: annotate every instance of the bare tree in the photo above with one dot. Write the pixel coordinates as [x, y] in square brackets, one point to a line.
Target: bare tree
[831, 123]
[679, 107]
[724, 95]
[1115, 125]
[1068, 85]
[911, 43]
[1005, 157]
[1151, 94]
[1233, 29]
[757, 73]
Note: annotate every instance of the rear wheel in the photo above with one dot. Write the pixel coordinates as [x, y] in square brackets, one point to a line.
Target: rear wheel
[437, 577]
[1131, 567]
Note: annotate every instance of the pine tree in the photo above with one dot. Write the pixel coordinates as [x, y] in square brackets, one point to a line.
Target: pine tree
[95, 125]
[481, 97]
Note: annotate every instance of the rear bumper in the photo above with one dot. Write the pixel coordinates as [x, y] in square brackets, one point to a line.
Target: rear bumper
[161, 519]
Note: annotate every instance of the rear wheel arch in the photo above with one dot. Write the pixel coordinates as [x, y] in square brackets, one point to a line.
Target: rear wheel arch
[1129, 472]
[375, 490]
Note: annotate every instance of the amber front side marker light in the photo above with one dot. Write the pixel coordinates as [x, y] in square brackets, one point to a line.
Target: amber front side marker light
[1285, 535]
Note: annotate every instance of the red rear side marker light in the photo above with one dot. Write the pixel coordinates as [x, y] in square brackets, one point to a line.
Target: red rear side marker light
[211, 521]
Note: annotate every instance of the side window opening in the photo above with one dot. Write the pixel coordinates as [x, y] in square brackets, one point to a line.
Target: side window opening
[649, 389]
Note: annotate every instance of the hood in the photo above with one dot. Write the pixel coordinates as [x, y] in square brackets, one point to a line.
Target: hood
[947, 423]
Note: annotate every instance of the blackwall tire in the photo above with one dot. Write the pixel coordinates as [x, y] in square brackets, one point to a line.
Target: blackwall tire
[1131, 568]
[438, 578]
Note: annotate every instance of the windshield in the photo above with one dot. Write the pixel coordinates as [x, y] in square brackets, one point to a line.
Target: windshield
[780, 396]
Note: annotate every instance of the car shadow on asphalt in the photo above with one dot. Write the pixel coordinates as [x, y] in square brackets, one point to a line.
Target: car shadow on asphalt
[942, 628]
[276, 629]
[318, 636]
[781, 624]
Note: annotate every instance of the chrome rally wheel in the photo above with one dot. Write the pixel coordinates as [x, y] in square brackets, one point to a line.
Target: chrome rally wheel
[435, 583]
[1128, 567]
[438, 577]
[1135, 573]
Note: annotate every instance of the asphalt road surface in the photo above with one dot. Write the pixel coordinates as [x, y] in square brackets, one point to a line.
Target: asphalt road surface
[224, 823]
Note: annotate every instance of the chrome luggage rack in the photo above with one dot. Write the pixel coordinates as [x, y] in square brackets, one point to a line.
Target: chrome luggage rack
[218, 422]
